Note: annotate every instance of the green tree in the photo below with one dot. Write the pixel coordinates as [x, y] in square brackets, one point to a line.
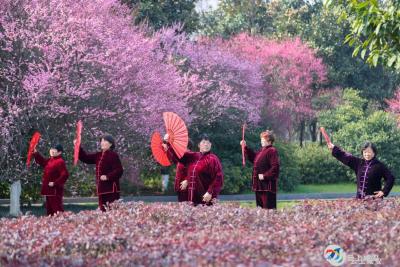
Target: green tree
[353, 122]
[375, 29]
[327, 36]
[165, 13]
[232, 17]
[351, 109]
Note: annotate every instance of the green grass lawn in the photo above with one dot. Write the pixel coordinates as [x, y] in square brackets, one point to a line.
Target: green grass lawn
[330, 188]
[324, 188]
[39, 210]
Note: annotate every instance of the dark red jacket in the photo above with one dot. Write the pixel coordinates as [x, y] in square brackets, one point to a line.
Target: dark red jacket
[108, 164]
[181, 175]
[266, 162]
[54, 171]
[204, 173]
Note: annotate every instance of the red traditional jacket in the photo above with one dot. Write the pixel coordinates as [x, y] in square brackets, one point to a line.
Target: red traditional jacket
[108, 164]
[181, 175]
[204, 173]
[266, 162]
[54, 171]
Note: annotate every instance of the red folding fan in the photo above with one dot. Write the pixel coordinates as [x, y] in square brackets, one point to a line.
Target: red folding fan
[158, 151]
[78, 141]
[326, 136]
[32, 145]
[177, 131]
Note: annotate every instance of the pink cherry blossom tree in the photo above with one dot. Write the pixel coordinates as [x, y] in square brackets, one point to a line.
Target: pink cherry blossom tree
[67, 60]
[291, 74]
[394, 105]
[220, 80]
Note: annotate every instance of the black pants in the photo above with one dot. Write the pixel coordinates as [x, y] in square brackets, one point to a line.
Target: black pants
[182, 196]
[266, 199]
[54, 204]
[106, 199]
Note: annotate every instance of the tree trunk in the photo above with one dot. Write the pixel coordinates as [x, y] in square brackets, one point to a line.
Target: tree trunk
[320, 139]
[301, 136]
[313, 130]
[15, 194]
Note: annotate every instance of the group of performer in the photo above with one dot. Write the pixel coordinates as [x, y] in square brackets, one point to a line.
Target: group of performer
[199, 175]
[108, 172]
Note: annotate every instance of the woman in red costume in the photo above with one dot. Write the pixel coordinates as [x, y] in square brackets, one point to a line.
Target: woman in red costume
[108, 170]
[55, 175]
[204, 172]
[265, 170]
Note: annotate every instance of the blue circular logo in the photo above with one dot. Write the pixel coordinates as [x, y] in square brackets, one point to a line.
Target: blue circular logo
[335, 255]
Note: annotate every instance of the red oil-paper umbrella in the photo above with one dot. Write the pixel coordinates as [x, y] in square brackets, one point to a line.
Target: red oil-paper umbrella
[326, 136]
[243, 156]
[32, 145]
[159, 154]
[77, 145]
